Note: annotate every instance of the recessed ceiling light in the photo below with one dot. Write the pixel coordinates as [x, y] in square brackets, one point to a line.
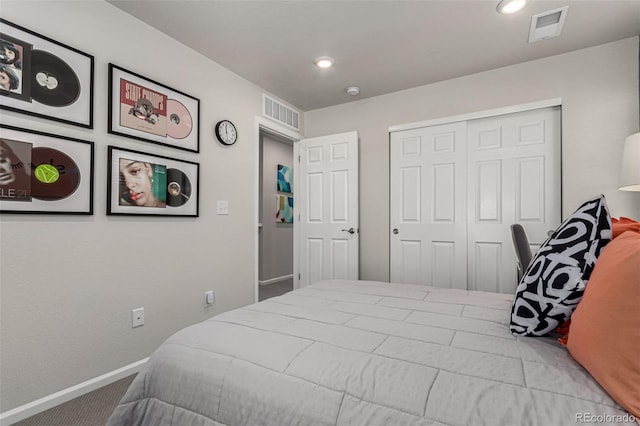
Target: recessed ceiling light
[508, 7]
[324, 62]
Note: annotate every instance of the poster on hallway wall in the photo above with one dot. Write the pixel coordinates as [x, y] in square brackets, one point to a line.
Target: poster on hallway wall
[284, 209]
[285, 179]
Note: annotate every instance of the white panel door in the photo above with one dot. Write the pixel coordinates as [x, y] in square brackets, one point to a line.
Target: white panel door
[427, 203]
[513, 177]
[326, 200]
[455, 190]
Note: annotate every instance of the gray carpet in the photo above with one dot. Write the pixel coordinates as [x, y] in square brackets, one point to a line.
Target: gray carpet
[91, 409]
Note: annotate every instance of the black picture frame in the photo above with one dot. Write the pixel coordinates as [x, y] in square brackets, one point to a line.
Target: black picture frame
[46, 78]
[45, 173]
[143, 109]
[144, 184]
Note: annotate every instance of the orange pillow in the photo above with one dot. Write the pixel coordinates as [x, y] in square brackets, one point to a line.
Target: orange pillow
[605, 327]
[624, 224]
[619, 226]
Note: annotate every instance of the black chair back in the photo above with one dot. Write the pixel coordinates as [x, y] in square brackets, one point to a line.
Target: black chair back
[521, 245]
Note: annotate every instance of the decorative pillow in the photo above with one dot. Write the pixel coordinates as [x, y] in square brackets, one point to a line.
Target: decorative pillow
[605, 328]
[554, 282]
[624, 224]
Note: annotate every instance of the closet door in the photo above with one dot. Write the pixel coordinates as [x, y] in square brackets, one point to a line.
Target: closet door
[457, 188]
[428, 206]
[513, 177]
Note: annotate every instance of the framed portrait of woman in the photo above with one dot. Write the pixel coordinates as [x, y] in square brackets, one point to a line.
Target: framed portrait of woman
[145, 184]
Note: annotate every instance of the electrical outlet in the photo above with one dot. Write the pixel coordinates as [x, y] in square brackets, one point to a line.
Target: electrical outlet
[137, 317]
[222, 207]
[209, 297]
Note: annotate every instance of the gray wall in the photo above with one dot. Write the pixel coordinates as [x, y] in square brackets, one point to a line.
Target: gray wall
[69, 283]
[276, 239]
[599, 90]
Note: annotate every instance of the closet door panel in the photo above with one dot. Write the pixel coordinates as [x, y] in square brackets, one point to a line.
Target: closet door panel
[428, 215]
[515, 163]
[530, 189]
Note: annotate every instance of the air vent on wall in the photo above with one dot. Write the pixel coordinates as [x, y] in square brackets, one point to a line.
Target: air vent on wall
[547, 24]
[282, 113]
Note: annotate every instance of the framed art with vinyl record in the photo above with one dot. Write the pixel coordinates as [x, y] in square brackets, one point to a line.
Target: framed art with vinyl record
[44, 78]
[145, 184]
[149, 111]
[44, 173]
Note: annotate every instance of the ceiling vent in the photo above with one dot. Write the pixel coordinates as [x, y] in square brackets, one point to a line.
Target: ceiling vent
[547, 24]
[281, 113]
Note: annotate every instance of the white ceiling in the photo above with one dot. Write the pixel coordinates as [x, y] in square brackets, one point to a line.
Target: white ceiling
[381, 46]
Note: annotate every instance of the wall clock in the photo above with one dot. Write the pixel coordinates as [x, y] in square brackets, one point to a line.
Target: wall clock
[226, 132]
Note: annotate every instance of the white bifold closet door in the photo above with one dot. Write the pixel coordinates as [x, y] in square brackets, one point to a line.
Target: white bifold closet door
[428, 213]
[456, 189]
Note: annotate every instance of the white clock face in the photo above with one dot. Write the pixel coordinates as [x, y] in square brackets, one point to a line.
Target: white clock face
[227, 132]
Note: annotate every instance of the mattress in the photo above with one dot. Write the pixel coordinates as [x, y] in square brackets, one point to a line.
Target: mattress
[364, 353]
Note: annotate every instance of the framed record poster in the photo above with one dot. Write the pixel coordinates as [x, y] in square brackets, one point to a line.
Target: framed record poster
[44, 78]
[146, 110]
[145, 184]
[44, 173]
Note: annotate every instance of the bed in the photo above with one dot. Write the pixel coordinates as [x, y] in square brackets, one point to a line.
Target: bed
[364, 353]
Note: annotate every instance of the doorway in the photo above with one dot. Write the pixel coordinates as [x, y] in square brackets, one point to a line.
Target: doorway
[329, 162]
[275, 227]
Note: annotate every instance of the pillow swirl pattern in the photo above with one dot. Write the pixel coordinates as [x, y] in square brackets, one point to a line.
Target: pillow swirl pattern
[554, 281]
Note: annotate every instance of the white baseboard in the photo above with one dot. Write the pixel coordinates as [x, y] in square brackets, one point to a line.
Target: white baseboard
[32, 408]
[276, 280]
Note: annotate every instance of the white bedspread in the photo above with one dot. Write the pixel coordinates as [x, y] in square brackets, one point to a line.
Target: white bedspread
[364, 353]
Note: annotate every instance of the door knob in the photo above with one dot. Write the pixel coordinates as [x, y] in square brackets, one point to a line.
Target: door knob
[350, 230]
[395, 231]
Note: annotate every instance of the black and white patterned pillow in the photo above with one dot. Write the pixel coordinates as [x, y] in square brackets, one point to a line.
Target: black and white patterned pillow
[554, 282]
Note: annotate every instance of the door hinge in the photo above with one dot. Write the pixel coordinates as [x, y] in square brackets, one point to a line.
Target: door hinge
[298, 276]
[298, 158]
